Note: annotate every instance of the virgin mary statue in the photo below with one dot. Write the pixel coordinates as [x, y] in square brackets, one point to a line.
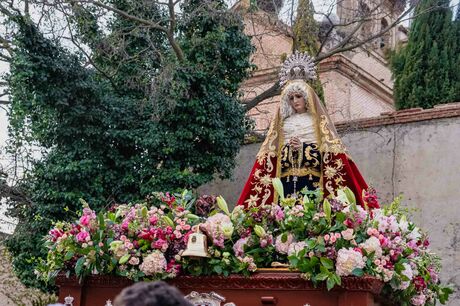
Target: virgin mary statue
[302, 146]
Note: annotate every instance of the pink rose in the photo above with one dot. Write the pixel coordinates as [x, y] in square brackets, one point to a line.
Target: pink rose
[348, 234]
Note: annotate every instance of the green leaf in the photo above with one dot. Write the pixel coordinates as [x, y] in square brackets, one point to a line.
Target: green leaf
[330, 283]
[294, 261]
[327, 263]
[311, 243]
[68, 255]
[218, 269]
[284, 237]
[337, 279]
[399, 268]
[358, 272]
[101, 221]
[322, 276]
[79, 265]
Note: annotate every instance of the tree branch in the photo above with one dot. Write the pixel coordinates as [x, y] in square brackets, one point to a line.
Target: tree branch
[273, 91]
[172, 40]
[344, 47]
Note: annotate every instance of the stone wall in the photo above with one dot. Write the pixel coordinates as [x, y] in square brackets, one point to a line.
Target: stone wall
[414, 153]
[12, 291]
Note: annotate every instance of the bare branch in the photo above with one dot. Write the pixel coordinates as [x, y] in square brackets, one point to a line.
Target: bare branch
[169, 31]
[76, 44]
[344, 47]
[273, 91]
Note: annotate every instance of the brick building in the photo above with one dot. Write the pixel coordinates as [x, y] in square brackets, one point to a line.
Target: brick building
[357, 84]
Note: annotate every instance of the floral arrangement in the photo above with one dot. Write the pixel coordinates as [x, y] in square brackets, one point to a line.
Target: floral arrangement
[324, 239]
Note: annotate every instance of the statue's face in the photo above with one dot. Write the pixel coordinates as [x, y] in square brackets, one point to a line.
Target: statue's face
[297, 102]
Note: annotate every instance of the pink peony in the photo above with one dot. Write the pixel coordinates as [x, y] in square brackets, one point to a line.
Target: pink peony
[283, 247]
[296, 247]
[348, 260]
[433, 275]
[153, 263]
[218, 227]
[238, 247]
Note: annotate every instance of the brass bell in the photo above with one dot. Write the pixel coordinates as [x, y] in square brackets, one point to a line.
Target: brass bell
[197, 245]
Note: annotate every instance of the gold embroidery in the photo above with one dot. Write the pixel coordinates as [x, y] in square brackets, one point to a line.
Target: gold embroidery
[266, 180]
[328, 143]
[312, 156]
[332, 173]
[252, 201]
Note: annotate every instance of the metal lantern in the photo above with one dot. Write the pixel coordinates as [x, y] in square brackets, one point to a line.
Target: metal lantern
[197, 245]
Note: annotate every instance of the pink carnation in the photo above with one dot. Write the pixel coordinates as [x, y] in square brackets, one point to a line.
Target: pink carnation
[55, 233]
[83, 236]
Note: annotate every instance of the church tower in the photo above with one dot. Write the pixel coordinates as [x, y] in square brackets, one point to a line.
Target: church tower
[375, 16]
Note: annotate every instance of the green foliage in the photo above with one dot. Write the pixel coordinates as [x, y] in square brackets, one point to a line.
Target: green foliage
[426, 70]
[44, 302]
[111, 134]
[306, 37]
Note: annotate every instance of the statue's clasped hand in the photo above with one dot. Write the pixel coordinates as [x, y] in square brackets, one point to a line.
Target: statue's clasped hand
[295, 143]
